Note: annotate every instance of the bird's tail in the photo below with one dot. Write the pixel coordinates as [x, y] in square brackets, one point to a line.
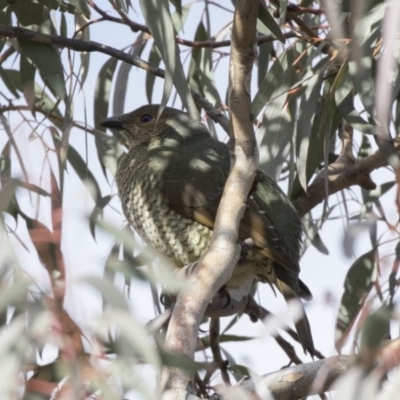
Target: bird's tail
[302, 325]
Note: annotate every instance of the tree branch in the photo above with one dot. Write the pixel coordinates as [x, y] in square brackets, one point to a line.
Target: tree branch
[136, 27]
[341, 175]
[216, 265]
[79, 45]
[300, 380]
[89, 46]
[216, 350]
[315, 377]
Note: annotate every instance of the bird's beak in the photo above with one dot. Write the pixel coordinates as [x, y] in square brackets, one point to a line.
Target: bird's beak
[112, 123]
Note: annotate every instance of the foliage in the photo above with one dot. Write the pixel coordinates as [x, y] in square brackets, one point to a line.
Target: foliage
[317, 89]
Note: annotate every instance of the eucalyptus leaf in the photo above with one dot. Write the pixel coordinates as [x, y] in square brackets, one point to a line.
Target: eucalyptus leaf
[357, 285]
[269, 21]
[47, 60]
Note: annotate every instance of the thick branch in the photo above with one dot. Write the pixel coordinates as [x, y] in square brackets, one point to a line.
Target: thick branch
[216, 265]
[300, 380]
[316, 377]
[341, 176]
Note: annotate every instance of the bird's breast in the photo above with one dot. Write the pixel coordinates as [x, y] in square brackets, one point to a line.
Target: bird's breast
[146, 208]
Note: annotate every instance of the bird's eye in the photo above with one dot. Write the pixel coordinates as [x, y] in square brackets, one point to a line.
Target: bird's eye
[146, 118]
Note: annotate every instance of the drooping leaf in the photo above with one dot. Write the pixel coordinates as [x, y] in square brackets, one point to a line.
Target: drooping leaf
[28, 12]
[281, 69]
[375, 330]
[307, 109]
[85, 56]
[102, 91]
[97, 212]
[12, 80]
[109, 150]
[357, 285]
[5, 16]
[47, 245]
[269, 21]
[200, 69]
[81, 168]
[154, 59]
[158, 19]
[367, 32]
[47, 60]
[121, 81]
[81, 6]
[344, 98]
[264, 52]
[282, 11]
[28, 71]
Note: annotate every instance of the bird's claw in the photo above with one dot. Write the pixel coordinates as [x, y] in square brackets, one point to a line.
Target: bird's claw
[246, 245]
[223, 292]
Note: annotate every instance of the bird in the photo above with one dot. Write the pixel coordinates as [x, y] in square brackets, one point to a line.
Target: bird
[170, 182]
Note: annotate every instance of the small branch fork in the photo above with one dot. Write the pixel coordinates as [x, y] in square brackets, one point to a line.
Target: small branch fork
[346, 171]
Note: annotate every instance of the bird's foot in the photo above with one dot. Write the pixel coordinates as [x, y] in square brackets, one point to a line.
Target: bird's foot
[167, 300]
[223, 292]
[246, 245]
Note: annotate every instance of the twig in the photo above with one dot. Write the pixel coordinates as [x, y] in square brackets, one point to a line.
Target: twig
[256, 311]
[7, 53]
[81, 45]
[216, 351]
[136, 27]
[341, 176]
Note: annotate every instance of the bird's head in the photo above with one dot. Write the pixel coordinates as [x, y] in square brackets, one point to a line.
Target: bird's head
[142, 127]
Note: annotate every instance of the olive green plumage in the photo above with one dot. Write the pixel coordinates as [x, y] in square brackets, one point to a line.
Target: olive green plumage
[170, 183]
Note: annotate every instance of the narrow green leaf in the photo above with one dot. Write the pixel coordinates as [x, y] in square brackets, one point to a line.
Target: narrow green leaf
[85, 55]
[375, 330]
[264, 53]
[357, 285]
[47, 60]
[373, 196]
[200, 69]
[102, 91]
[121, 5]
[282, 11]
[63, 26]
[81, 6]
[158, 19]
[109, 150]
[227, 338]
[365, 149]
[270, 86]
[81, 169]
[307, 108]
[28, 12]
[98, 212]
[269, 21]
[28, 71]
[367, 32]
[111, 295]
[344, 98]
[121, 81]
[154, 59]
[12, 80]
[5, 15]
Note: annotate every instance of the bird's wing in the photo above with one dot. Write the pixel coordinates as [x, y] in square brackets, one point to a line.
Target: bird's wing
[193, 184]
